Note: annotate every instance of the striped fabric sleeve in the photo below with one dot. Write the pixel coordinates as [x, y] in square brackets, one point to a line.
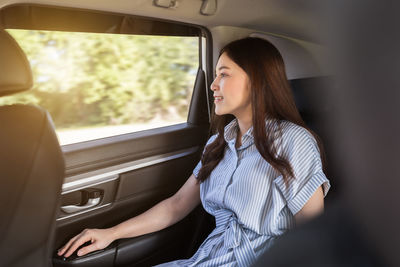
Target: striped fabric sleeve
[197, 169]
[198, 166]
[302, 151]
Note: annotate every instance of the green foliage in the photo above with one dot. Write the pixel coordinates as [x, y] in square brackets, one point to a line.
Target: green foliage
[86, 79]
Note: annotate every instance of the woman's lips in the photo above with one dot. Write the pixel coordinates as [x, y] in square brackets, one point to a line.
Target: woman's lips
[218, 99]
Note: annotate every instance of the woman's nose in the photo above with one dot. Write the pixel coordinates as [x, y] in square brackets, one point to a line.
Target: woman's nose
[214, 85]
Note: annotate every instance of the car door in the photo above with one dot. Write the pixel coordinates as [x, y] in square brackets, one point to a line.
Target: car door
[119, 173]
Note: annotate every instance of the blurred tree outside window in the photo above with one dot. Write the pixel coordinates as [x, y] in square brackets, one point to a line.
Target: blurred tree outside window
[99, 85]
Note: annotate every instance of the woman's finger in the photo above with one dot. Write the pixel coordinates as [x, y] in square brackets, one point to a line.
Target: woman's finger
[85, 250]
[85, 237]
[62, 250]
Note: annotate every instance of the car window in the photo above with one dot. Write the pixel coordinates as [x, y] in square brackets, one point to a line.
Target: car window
[97, 85]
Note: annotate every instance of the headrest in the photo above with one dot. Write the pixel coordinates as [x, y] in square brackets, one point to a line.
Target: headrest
[15, 71]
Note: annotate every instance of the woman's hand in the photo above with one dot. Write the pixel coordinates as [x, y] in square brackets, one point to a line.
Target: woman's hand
[100, 238]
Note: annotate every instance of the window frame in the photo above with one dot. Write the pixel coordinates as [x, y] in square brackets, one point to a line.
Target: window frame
[86, 155]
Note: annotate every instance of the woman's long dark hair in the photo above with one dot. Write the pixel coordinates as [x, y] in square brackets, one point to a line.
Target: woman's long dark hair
[271, 98]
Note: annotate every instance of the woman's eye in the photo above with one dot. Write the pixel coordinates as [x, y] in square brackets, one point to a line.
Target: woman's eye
[223, 75]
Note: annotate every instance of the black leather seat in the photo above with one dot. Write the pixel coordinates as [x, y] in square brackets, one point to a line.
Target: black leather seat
[31, 168]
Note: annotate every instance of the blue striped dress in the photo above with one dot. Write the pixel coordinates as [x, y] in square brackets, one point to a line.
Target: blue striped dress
[249, 199]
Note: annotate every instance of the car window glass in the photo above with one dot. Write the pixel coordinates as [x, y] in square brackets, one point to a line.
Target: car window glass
[96, 85]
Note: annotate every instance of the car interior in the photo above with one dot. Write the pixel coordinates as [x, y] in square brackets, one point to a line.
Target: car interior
[51, 191]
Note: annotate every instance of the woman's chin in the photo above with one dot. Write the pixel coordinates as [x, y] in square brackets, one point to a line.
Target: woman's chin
[219, 112]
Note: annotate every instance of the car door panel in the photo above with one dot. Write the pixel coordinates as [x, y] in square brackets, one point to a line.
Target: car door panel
[129, 188]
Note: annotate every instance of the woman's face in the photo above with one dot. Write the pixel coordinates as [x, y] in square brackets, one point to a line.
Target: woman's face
[231, 89]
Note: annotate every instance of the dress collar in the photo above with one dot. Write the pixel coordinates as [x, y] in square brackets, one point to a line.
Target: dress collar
[231, 130]
[230, 134]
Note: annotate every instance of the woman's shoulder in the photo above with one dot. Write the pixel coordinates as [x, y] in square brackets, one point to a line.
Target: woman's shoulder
[292, 133]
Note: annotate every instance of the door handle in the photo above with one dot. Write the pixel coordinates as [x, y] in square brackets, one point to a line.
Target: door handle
[92, 201]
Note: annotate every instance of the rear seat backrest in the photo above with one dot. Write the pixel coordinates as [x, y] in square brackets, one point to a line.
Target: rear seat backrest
[312, 100]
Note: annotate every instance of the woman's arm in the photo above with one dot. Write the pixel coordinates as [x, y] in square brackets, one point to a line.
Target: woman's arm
[313, 207]
[162, 215]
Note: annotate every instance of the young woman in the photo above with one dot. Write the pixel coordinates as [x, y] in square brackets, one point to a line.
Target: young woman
[259, 175]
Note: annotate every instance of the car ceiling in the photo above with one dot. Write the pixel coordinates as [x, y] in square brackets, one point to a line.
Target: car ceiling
[295, 19]
[292, 26]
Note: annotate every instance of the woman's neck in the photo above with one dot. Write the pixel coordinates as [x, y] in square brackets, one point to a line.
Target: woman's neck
[244, 126]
